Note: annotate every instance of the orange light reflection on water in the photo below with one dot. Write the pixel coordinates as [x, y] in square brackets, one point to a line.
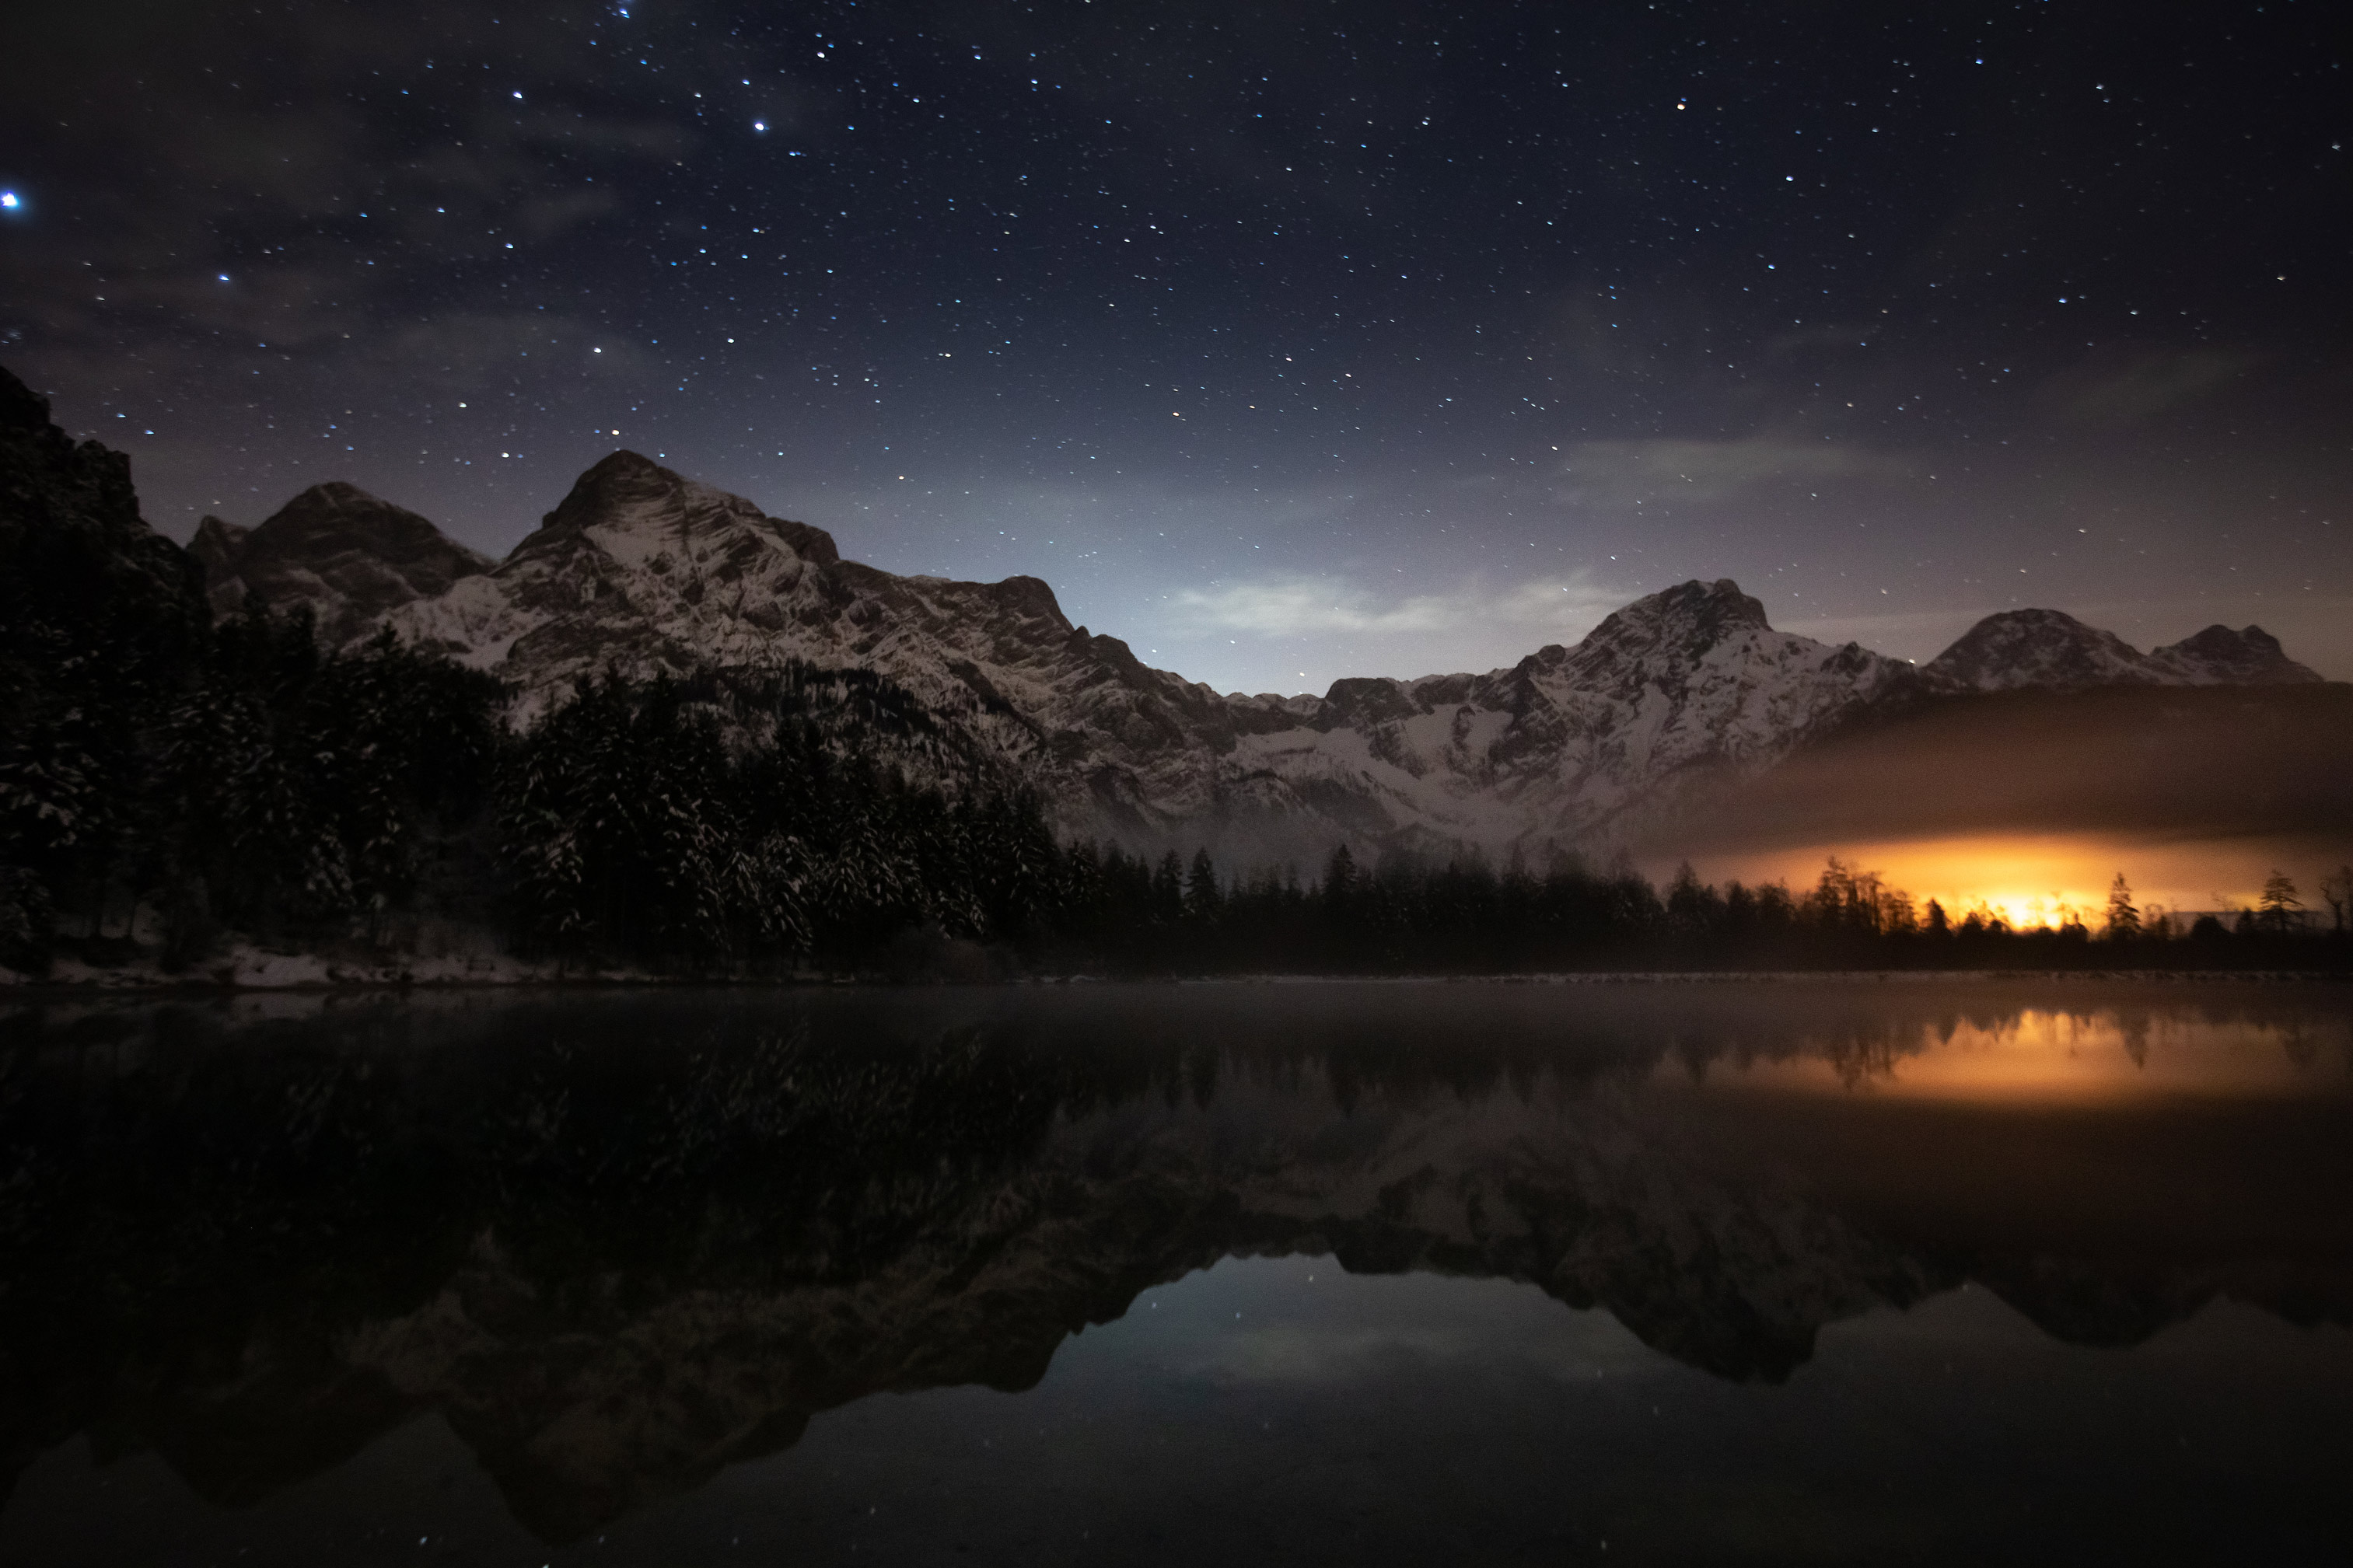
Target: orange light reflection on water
[2060, 1057]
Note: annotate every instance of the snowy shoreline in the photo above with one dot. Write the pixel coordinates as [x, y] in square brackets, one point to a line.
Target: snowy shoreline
[251, 969]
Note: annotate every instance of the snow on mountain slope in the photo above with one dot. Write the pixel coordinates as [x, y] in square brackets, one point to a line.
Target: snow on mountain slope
[643, 570]
[2051, 650]
[1571, 741]
[349, 556]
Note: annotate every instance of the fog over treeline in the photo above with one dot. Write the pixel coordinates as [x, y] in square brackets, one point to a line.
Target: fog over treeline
[173, 784]
[2169, 763]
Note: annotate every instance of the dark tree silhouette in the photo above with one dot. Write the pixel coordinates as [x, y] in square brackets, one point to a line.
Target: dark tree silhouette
[2279, 904]
[2123, 915]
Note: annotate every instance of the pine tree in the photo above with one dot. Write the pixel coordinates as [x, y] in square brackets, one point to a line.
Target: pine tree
[1168, 891]
[1833, 896]
[1693, 908]
[1203, 902]
[1341, 882]
[2124, 917]
[2279, 903]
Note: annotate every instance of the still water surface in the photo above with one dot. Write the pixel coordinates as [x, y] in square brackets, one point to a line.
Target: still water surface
[1740, 1272]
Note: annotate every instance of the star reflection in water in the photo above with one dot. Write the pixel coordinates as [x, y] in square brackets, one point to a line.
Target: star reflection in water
[1793, 1270]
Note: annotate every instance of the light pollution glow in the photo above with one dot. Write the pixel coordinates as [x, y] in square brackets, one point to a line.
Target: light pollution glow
[2053, 1056]
[2035, 880]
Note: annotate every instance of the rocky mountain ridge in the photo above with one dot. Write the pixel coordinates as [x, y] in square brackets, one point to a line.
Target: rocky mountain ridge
[350, 558]
[2014, 650]
[641, 570]
[79, 565]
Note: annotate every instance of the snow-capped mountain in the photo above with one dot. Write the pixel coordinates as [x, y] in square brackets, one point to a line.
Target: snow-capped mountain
[1570, 739]
[350, 557]
[648, 572]
[2052, 650]
[642, 570]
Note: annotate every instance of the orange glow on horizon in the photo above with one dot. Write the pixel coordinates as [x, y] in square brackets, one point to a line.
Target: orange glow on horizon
[2040, 880]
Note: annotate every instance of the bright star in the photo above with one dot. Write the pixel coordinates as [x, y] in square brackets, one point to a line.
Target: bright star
[9, 201]
[759, 125]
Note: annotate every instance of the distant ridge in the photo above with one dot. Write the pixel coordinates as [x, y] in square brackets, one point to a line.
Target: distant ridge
[350, 558]
[2052, 650]
[1575, 748]
[645, 571]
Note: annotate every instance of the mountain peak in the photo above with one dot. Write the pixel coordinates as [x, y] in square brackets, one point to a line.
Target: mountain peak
[216, 541]
[630, 491]
[349, 555]
[1689, 618]
[76, 554]
[2052, 650]
[332, 498]
[2037, 648]
[21, 408]
[2221, 657]
[618, 483]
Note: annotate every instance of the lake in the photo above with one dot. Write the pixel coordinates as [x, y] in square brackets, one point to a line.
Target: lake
[1751, 1271]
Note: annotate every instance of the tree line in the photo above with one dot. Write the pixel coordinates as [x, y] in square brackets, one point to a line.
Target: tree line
[243, 779]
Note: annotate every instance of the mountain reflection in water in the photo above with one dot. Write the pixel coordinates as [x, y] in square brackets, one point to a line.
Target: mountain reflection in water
[618, 1242]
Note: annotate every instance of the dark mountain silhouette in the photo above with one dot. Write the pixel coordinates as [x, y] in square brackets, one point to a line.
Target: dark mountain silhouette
[2051, 650]
[337, 551]
[75, 557]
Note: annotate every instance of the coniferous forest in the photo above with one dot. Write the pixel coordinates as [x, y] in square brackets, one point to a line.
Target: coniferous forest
[171, 784]
[167, 783]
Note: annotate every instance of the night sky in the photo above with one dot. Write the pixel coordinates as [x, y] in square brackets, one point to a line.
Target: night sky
[1285, 340]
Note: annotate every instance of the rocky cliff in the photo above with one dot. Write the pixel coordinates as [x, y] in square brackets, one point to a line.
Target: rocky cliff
[102, 623]
[79, 567]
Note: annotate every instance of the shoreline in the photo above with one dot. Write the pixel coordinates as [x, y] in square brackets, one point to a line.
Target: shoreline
[310, 975]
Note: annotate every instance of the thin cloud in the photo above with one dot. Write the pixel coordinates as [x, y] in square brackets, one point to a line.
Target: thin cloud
[1297, 606]
[459, 348]
[1622, 472]
[2130, 387]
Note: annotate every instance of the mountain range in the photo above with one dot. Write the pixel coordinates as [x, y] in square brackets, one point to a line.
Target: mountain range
[643, 570]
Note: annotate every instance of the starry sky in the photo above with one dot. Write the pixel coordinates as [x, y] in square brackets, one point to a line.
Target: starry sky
[1286, 341]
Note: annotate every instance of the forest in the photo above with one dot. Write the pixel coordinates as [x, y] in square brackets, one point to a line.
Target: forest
[165, 783]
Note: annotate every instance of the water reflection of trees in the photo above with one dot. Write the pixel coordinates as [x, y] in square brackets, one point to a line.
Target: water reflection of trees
[980, 1173]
